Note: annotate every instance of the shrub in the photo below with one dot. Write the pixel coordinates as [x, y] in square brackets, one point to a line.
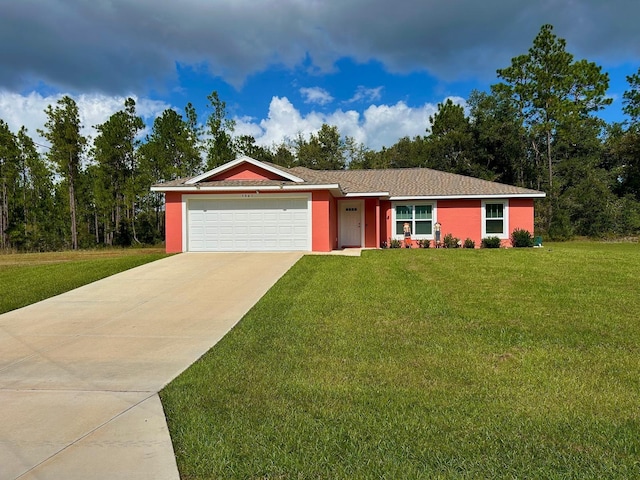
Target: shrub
[449, 241]
[490, 242]
[393, 243]
[424, 243]
[521, 238]
[468, 243]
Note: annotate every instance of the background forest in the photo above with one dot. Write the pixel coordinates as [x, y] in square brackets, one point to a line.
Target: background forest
[537, 127]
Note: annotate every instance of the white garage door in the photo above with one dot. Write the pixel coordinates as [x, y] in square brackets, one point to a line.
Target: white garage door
[248, 224]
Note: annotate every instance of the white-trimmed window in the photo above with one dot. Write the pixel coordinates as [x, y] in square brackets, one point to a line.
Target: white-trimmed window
[495, 219]
[419, 216]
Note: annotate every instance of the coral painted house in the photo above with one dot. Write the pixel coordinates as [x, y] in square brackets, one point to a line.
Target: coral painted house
[247, 205]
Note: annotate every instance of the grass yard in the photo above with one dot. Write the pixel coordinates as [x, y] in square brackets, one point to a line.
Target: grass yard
[31, 277]
[435, 364]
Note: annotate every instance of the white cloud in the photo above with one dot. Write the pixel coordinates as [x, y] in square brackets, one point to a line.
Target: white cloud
[28, 110]
[316, 95]
[364, 94]
[377, 126]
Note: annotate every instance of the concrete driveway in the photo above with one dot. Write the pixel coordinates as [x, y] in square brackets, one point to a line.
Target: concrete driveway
[80, 372]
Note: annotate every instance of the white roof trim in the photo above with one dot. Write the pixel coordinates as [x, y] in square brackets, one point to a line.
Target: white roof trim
[367, 194]
[238, 161]
[244, 188]
[474, 196]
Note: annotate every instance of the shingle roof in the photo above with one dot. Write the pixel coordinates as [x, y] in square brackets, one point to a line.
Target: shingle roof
[410, 182]
[402, 182]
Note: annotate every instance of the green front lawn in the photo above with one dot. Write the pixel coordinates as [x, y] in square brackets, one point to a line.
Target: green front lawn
[520, 363]
[31, 277]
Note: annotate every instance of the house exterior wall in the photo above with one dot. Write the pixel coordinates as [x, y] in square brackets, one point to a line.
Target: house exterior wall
[460, 218]
[521, 215]
[333, 222]
[247, 171]
[385, 221]
[463, 218]
[323, 222]
[173, 222]
[370, 240]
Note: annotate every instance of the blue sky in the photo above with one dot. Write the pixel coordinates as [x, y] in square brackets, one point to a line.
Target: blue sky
[376, 70]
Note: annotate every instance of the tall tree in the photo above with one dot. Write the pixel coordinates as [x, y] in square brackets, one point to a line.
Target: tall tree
[627, 145]
[550, 89]
[631, 99]
[324, 150]
[405, 153]
[500, 139]
[37, 201]
[450, 144]
[355, 153]
[219, 129]
[171, 151]
[9, 155]
[62, 130]
[282, 155]
[115, 152]
[246, 145]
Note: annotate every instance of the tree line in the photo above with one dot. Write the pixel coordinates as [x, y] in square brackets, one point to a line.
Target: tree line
[537, 127]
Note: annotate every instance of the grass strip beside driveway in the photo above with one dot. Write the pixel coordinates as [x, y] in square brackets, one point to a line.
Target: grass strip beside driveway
[425, 364]
[29, 278]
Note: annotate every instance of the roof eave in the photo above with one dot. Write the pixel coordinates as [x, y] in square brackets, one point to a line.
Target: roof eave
[470, 197]
[367, 194]
[237, 188]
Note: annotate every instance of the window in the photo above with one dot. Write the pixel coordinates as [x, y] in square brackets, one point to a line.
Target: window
[419, 217]
[494, 219]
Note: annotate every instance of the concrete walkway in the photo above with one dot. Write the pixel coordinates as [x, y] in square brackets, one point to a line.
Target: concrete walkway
[80, 372]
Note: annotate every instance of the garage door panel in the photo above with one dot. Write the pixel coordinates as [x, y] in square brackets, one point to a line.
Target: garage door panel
[248, 224]
[269, 243]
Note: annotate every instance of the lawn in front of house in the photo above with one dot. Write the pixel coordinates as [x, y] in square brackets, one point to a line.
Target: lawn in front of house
[511, 363]
[27, 278]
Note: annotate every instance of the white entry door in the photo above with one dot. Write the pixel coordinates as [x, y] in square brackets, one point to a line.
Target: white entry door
[351, 223]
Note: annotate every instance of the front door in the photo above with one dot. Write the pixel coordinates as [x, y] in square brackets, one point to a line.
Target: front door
[351, 223]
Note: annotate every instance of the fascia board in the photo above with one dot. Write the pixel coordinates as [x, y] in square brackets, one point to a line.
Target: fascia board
[198, 188]
[367, 194]
[472, 197]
